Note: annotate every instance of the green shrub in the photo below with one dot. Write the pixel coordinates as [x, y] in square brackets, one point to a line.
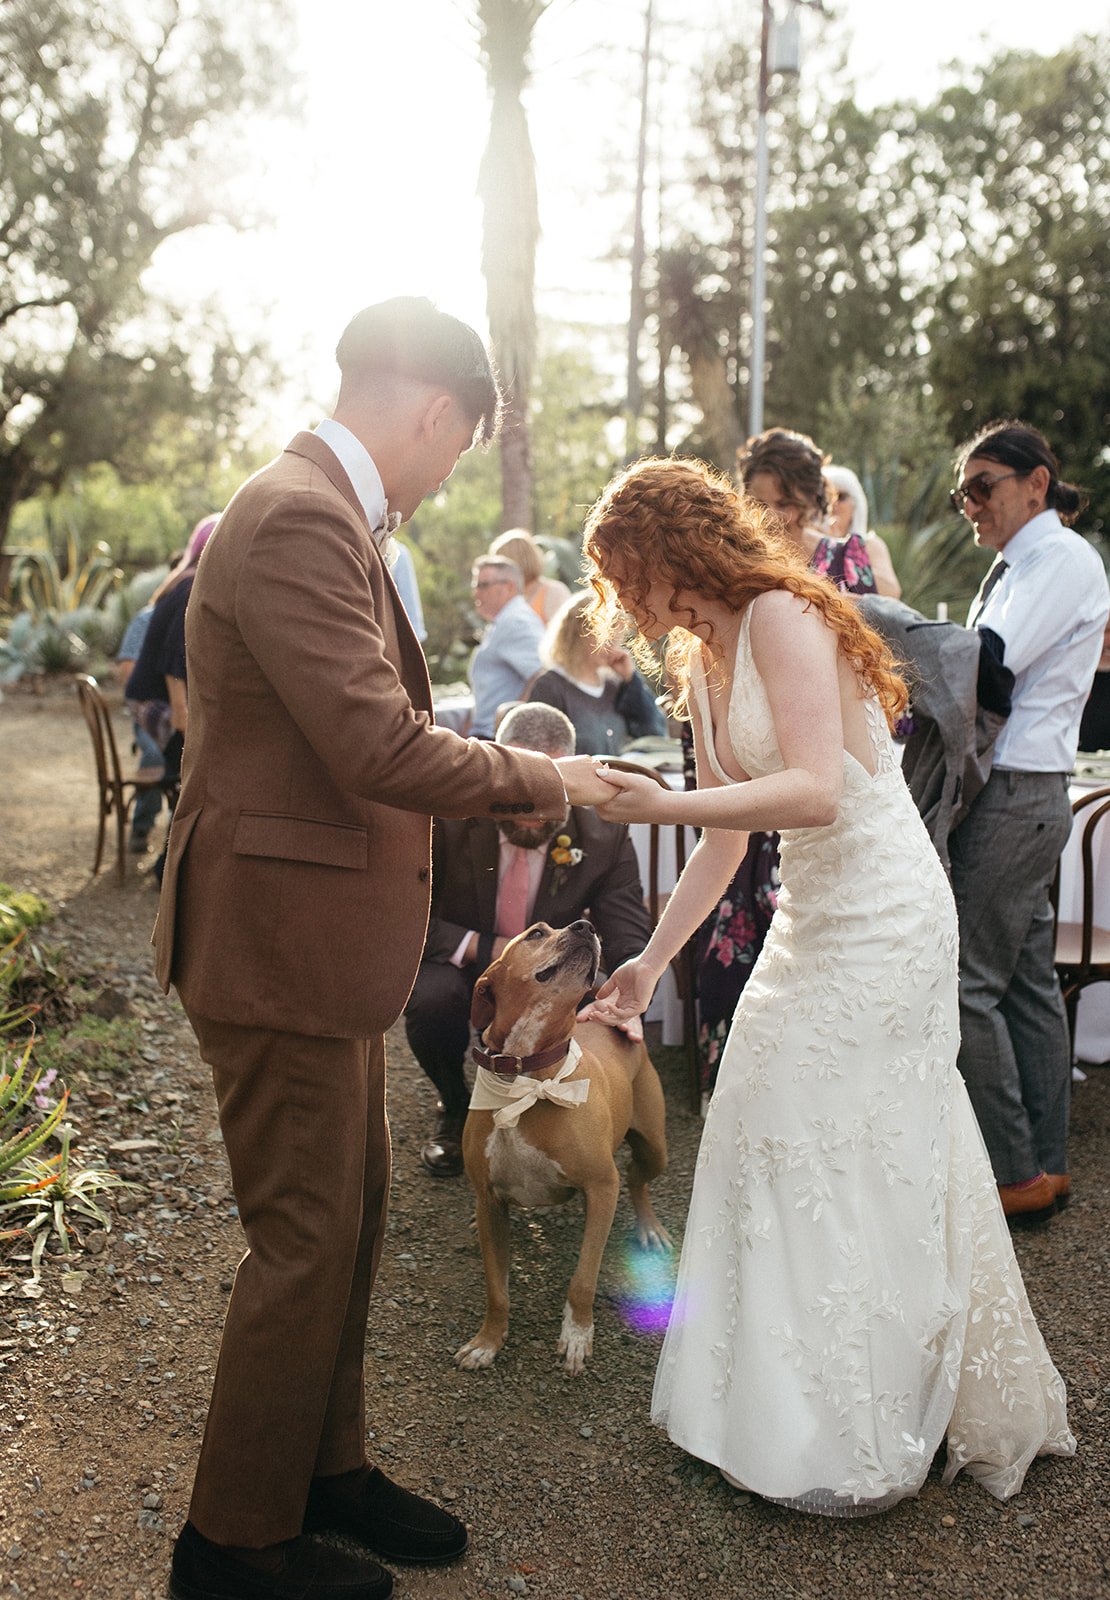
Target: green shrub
[44, 1195]
[18, 910]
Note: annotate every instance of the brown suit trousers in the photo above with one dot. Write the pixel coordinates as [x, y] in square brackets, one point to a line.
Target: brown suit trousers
[306, 1135]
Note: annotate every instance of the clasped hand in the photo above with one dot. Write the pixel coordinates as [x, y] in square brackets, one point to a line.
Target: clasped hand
[618, 796]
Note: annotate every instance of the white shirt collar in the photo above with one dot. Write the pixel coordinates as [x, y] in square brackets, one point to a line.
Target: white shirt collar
[1028, 537]
[366, 480]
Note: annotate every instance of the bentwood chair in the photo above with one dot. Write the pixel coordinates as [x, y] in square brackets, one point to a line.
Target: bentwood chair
[1083, 948]
[117, 791]
[684, 965]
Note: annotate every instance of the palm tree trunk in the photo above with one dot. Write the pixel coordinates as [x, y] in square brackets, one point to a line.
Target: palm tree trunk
[511, 226]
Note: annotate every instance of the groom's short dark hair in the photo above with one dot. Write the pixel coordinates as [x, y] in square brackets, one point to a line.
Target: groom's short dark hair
[409, 337]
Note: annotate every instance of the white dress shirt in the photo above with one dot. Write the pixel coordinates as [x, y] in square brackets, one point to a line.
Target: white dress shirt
[366, 480]
[1050, 610]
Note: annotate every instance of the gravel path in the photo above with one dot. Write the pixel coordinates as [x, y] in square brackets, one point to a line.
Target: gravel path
[567, 1488]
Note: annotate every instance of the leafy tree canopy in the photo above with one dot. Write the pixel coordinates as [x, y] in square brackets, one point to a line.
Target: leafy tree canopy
[951, 262]
[121, 125]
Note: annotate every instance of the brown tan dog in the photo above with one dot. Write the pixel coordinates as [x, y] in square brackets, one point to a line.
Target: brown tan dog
[524, 1009]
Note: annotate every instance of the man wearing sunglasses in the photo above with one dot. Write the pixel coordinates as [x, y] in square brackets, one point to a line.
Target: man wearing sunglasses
[509, 652]
[1040, 612]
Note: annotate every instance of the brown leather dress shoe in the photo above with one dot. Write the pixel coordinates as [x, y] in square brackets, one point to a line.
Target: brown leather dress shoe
[397, 1524]
[302, 1570]
[1030, 1204]
[442, 1155]
[1061, 1186]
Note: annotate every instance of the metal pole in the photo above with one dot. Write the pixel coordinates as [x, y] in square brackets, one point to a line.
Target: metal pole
[759, 246]
[636, 304]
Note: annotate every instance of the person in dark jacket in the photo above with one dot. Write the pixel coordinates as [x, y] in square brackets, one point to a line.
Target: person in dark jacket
[156, 689]
[597, 685]
[491, 880]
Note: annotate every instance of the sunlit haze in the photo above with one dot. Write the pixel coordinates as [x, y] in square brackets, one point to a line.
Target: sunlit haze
[372, 193]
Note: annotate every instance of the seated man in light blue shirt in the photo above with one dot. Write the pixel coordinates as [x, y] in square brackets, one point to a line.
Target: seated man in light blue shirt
[1041, 612]
[509, 654]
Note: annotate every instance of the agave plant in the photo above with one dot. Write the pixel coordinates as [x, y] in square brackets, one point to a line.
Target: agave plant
[64, 1191]
[44, 592]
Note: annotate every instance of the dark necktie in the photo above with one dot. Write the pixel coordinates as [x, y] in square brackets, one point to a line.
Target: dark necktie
[993, 578]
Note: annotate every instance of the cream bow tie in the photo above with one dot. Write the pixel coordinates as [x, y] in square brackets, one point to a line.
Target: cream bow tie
[510, 1098]
[383, 535]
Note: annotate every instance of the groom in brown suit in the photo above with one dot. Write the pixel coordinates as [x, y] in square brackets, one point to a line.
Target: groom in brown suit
[293, 911]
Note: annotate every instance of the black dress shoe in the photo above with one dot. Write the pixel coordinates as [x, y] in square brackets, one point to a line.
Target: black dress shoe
[202, 1570]
[442, 1154]
[398, 1525]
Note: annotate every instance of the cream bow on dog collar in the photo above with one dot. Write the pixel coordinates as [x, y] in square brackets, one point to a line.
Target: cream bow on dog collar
[509, 1098]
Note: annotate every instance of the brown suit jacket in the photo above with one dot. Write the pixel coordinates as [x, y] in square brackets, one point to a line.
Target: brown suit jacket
[296, 887]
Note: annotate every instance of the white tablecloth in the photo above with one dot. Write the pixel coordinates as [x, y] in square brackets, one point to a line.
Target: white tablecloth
[1092, 1031]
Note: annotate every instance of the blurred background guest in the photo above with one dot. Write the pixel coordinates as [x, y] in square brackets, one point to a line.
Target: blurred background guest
[490, 880]
[785, 472]
[508, 654]
[1042, 610]
[156, 690]
[148, 802]
[545, 595]
[598, 686]
[848, 516]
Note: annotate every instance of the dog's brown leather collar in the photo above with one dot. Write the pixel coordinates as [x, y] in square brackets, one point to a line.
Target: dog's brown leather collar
[518, 1066]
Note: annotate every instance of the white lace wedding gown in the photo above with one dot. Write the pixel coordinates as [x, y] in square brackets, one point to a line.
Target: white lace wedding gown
[848, 1293]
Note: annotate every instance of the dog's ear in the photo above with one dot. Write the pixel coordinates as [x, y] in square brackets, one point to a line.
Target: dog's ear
[482, 1005]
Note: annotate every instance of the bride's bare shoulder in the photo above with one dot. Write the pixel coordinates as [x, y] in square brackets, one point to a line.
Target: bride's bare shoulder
[778, 608]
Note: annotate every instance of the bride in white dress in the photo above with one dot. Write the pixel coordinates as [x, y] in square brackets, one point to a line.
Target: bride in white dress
[847, 1295]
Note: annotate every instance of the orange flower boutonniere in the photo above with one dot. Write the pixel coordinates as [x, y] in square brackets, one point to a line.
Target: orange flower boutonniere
[564, 855]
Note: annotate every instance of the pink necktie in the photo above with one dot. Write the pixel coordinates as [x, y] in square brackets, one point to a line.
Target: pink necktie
[512, 895]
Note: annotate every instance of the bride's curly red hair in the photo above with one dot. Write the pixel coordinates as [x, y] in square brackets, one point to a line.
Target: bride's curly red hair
[680, 523]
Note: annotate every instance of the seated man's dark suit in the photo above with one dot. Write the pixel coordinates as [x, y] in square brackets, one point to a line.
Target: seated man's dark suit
[606, 883]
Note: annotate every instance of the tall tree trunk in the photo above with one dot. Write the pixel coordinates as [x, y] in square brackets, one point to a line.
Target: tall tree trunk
[15, 464]
[510, 230]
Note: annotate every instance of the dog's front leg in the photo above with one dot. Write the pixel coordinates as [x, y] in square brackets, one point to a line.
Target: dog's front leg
[493, 1236]
[576, 1339]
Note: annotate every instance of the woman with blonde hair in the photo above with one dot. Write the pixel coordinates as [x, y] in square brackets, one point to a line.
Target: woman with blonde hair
[848, 520]
[595, 682]
[847, 1294]
[545, 595]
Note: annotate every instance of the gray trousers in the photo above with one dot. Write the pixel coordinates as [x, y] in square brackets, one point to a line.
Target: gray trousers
[1015, 1053]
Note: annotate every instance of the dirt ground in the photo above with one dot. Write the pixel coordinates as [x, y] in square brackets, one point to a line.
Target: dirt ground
[567, 1488]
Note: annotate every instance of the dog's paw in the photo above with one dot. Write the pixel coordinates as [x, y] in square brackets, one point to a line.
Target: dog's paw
[576, 1344]
[654, 1237]
[473, 1356]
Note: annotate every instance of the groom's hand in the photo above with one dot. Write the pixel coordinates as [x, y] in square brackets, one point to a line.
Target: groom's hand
[583, 784]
